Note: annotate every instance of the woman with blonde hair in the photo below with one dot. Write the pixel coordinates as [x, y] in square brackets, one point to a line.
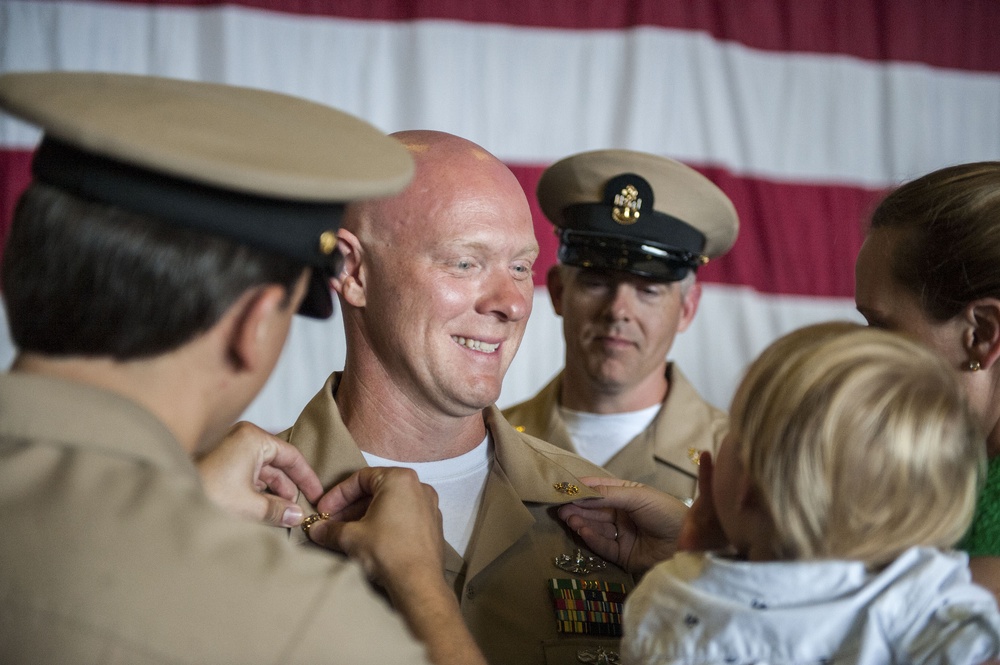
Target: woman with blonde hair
[850, 470]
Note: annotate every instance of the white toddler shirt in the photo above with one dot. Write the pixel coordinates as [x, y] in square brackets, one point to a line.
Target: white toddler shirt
[701, 608]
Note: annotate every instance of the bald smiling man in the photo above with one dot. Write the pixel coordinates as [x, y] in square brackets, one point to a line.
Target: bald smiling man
[436, 291]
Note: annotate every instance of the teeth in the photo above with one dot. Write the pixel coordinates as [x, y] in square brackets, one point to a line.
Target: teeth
[476, 345]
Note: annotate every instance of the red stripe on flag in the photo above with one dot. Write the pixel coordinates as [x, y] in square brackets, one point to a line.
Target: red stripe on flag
[15, 174]
[960, 35]
[785, 245]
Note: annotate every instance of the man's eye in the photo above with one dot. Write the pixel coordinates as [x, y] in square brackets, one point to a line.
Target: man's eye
[464, 264]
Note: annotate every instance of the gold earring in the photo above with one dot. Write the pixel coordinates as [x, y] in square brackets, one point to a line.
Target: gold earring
[973, 366]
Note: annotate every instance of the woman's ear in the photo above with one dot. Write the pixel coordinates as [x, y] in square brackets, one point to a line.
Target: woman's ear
[982, 339]
[350, 283]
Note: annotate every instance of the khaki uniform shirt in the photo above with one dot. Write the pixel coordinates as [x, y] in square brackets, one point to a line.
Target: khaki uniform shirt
[502, 583]
[663, 455]
[110, 552]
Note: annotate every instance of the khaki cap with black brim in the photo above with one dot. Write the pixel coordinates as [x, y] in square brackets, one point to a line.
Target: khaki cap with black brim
[636, 212]
[266, 169]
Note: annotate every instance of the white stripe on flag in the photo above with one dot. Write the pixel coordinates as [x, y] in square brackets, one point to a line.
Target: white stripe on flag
[533, 95]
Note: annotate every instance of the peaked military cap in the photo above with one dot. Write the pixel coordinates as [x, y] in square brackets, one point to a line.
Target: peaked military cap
[636, 212]
[262, 168]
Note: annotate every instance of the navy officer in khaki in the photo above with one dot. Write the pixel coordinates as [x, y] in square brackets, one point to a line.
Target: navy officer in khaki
[171, 231]
[435, 292]
[633, 230]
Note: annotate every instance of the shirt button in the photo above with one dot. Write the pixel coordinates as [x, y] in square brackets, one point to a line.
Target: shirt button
[470, 592]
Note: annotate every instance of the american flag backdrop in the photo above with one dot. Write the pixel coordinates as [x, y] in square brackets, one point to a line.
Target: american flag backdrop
[803, 111]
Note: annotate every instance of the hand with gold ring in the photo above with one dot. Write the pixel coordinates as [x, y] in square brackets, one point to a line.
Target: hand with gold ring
[386, 519]
[632, 525]
[253, 474]
[389, 522]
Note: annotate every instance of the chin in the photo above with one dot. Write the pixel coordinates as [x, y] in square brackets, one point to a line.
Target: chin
[478, 398]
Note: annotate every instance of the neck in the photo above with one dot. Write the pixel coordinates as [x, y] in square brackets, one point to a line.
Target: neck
[580, 392]
[151, 383]
[385, 421]
[993, 441]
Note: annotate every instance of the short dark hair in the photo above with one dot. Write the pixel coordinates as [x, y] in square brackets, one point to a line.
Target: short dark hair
[86, 278]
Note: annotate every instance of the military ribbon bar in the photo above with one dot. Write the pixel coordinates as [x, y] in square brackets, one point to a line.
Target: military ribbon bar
[588, 607]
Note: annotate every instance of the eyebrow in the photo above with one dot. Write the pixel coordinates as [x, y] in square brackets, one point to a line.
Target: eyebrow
[478, 245]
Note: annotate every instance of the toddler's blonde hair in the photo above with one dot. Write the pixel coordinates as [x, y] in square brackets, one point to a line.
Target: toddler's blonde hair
[860, 443]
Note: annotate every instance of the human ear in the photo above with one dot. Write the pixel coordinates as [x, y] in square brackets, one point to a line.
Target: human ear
[982, 338]
[689, 306]
[255, 321]
[553, 280]
[350, 283]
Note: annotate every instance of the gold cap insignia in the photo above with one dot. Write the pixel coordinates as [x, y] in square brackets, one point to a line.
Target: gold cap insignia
[627, 205]
[327, 242]
[566, 488]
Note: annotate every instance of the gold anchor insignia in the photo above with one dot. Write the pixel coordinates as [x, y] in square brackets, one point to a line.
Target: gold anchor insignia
[566, 488]
[579, 564]
[598, 656]
[327, 242]
[695, 456]
[627, 205]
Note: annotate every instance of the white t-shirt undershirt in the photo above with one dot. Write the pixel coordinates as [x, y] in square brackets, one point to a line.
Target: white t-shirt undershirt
[598, 437]
[459, 483]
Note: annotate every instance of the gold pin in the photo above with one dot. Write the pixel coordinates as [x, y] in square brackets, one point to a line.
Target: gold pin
[520, 428]
[695, 456]
[627, 204]
[327, 242]
[566, 488]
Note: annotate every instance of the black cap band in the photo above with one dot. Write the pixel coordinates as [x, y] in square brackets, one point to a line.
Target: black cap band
[257, 221]
[645, 259]
[299, 230]
[624, 232]
[671, 232]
